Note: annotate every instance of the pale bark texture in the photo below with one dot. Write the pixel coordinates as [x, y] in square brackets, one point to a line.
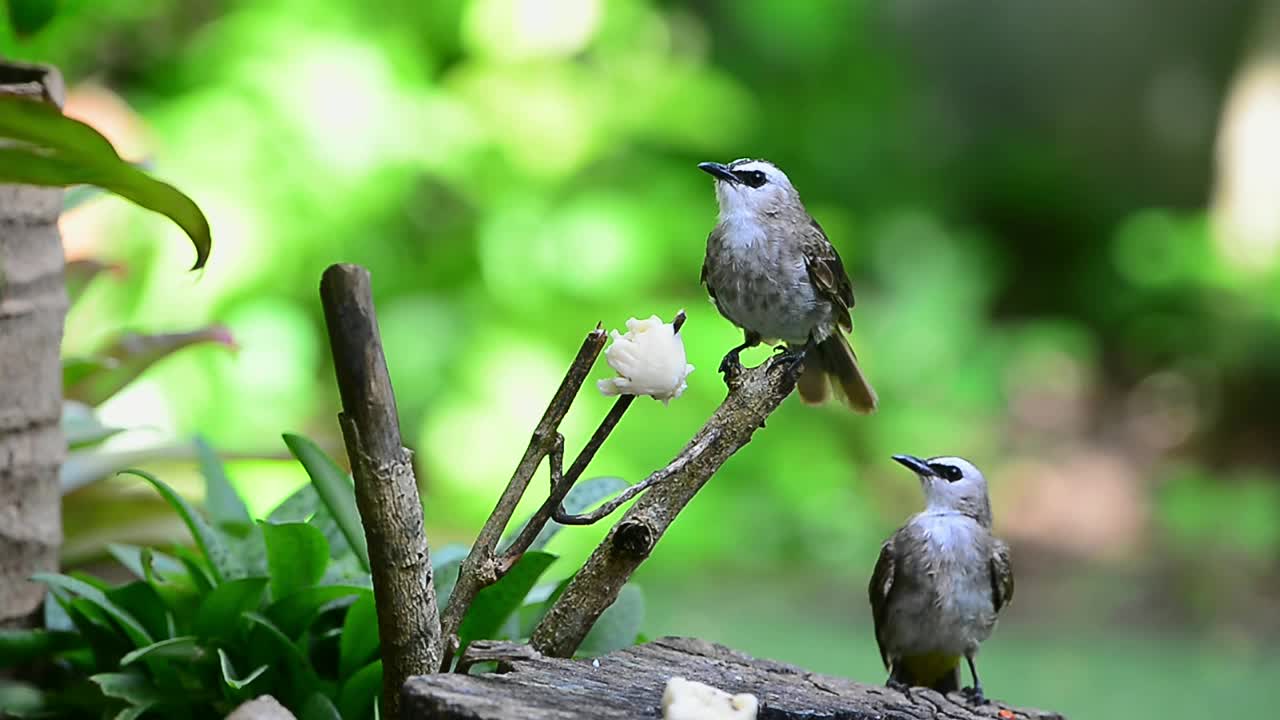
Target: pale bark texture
[33, 306]
[629, 684]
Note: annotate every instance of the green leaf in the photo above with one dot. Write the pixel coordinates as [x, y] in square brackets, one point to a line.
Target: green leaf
[132, 687]
[27, 17]
[141, 601]
[335, 490]
[135, 712]
[79, 274]
[268, 644]
[131, 354]
[134, 558]
[132, 628]
[183, 649]
[106, 642]
[536, 608]
[20, 647]
[360, 692]
[298, 507]
[318, 707]
[22, 700]
[61, 151]
[226, 509]
[221, 609]
[82, 427]
[229, 675]
[297, 555]
[494, 604]
[581, 497]
[197, 568]
[618, 626]
[295, 613]
[359, 639]
[221, 561]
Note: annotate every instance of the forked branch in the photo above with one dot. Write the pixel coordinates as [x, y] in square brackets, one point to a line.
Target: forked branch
[753, 395]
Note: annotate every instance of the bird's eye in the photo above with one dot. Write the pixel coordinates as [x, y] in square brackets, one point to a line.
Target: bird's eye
[950, 473]
[750, 178]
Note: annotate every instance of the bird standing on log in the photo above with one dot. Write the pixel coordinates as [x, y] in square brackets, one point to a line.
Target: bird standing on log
[941, 580]
[771, 271]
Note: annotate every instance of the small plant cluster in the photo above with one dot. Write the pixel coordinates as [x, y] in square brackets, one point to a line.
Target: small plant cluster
[282, 606]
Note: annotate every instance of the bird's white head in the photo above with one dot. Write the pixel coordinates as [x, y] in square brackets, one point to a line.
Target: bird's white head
[951, 484]
[750, 186]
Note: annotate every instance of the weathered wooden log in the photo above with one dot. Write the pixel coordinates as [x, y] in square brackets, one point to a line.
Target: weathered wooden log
[629, 684]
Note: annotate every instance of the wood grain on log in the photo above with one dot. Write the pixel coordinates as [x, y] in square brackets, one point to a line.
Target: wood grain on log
[629, 684]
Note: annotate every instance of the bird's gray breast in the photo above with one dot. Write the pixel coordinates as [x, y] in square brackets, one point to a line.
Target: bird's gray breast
[761, 282]
[941, 599]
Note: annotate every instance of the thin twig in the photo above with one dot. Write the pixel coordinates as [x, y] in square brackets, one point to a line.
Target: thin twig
[482, 567]
[590, 518]
[553, 507]
[385, 488]
[753, 395]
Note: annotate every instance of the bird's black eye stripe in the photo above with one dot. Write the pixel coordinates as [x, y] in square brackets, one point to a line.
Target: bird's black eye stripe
[950, 473]
[750, 178]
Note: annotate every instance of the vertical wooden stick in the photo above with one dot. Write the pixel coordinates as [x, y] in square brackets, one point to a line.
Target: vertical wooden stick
[386, 490]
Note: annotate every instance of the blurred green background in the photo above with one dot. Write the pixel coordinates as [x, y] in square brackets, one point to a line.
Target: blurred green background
[1062, 221]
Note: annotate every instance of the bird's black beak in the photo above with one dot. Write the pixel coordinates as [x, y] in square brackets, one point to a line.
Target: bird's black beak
[915, 464]
[719, 171]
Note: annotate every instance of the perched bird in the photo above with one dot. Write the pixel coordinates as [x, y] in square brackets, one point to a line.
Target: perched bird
[941, 580]
[771, 270]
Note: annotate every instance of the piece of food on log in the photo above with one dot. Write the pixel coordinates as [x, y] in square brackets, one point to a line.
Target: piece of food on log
[629, 684]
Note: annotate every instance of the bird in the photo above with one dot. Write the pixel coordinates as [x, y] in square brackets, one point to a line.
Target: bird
[940, 581]
[771, 271]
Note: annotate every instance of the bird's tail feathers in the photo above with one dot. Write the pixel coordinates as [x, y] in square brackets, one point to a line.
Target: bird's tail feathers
[833, 360]
[935, 671]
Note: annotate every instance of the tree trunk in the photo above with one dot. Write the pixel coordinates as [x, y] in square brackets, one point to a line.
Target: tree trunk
[33, 305]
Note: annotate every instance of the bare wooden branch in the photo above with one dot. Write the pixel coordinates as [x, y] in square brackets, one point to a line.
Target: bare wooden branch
[482, 566]
[386, 490]
[552, 507]
[629, 684]
[753, 395]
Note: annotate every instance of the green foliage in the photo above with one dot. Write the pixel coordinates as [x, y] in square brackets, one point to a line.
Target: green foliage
[58, 151]
[257, 608]
[28, 17]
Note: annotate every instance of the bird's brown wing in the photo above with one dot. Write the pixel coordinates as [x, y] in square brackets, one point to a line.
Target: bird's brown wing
[878, 590]
[712, 239]
[1001, 575]
[827, 273]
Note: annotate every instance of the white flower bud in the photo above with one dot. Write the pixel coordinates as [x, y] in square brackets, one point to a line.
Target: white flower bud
[649, 360]
[688, 700]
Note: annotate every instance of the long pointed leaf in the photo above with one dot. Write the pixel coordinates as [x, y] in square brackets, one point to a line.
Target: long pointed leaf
[359, 693]
[38, 167]
[184, 649]
[336, 491]
[225, 566]
[62, 152]
[129, 355]
[225, 507]
[359, 640]
[222, 608]
[229, 672]
[297, 555]
[494, 604]
[133, 629]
